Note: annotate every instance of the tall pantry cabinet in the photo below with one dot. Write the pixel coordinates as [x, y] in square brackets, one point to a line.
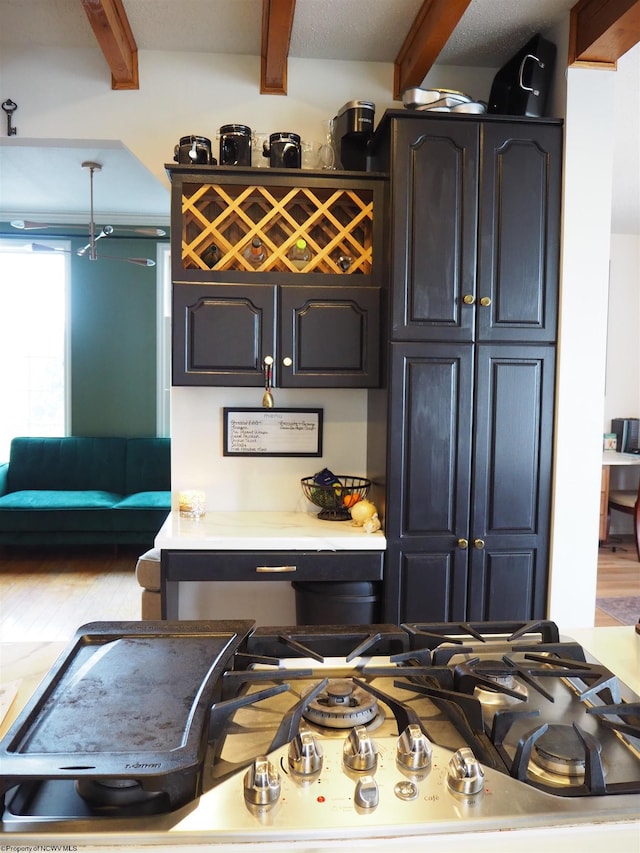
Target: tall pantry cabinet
[460, 437]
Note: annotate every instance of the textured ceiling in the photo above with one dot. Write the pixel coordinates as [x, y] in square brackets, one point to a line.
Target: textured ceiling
[359, 30]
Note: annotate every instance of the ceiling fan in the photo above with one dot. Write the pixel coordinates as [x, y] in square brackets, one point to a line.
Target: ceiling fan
[90, 249]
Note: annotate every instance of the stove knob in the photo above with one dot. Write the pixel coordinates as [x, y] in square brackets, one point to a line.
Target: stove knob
[359, 752]
[465, 774]
[367, 795]
[414, 750]
[261, 783]
[305, 754]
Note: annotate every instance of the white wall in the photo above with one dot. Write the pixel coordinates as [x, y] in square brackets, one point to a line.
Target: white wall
[66, 94]
[582, 348]
[622, 386]
[263, 483]
[622, 389]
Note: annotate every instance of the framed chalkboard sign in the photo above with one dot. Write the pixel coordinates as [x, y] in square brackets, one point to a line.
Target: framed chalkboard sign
[272, 432]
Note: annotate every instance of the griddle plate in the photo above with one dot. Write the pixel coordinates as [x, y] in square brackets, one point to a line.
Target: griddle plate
[125, 700]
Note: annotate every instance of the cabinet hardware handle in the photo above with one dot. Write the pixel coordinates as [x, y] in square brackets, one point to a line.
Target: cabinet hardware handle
[463, 543]
[468, 299]
[479, 544]
[276, 569]
[485, 301]
[268, 359]
[287, 361]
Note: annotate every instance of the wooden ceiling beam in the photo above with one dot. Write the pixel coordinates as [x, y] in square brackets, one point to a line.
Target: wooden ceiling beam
[277, 23]
[430, 31]
[110, 25]
[601, 31]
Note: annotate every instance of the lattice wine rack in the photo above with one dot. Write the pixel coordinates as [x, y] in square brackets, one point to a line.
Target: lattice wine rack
[220, 221]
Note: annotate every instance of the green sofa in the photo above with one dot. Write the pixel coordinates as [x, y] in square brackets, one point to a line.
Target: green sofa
[77, 490]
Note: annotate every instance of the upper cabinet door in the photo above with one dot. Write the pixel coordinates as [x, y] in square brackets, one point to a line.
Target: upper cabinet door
[519, 232]
[328, 337]
[222, 333]
[435, 193]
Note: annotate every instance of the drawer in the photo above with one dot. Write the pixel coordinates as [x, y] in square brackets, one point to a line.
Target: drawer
[272, 565]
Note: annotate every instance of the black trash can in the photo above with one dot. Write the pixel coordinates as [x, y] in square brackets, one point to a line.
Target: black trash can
[337, 603]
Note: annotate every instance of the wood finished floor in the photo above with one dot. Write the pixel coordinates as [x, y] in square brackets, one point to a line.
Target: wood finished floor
[45, 594]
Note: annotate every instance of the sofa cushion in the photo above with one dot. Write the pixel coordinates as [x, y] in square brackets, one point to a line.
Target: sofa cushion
[52, 499]
[146, 500]
[150, 605]
[148, 570]
[148, 465]
[72, 463]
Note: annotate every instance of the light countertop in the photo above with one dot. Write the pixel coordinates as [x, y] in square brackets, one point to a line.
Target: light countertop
[612, 457]
[265, 531]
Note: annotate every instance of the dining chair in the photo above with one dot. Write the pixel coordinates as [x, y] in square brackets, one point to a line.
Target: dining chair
[627, 501]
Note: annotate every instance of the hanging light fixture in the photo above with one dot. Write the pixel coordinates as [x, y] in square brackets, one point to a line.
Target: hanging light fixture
[90, 249]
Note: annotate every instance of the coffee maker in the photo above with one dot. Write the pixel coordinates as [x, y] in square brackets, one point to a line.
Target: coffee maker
[352, 130]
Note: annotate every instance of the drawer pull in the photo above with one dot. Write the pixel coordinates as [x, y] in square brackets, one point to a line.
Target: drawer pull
[276, 568]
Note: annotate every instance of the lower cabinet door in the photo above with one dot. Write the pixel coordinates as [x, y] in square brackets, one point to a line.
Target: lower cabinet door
[506, 585]
[511, 483]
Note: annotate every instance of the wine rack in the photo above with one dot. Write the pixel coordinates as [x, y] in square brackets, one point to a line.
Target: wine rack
[219, 221]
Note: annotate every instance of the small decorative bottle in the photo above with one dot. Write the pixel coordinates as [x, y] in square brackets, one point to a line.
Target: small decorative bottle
[255, 253]
[211, 255]
[299, 254]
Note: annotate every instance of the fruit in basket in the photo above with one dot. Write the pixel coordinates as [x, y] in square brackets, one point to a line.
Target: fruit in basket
[327, 498]
[350, 499]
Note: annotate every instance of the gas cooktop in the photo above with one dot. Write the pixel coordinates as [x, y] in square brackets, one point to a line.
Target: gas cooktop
[285, 730]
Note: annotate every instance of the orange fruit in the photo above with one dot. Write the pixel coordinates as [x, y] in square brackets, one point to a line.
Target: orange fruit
[350, 500]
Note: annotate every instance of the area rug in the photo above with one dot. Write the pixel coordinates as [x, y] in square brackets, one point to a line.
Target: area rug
[625, 610]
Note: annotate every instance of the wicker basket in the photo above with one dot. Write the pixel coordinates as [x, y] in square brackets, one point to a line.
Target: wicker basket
[336, 499]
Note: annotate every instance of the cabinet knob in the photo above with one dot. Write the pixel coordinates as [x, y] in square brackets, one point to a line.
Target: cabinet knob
[485, 301]
[478, 544]
[287, 361]
[463, 543]
[268, 359]
[468, 299]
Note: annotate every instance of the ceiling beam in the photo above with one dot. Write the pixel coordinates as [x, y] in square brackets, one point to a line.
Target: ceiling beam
[110, 25]
[601, 31]
[430, 31]
[277, 23]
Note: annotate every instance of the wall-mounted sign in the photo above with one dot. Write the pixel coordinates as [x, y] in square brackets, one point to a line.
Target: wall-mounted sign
[272, 432]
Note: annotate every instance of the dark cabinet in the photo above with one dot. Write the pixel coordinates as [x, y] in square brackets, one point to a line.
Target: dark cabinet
[475, 229]
[316, 336]
[469, 487]
[319, 322]
[265, 566]
[467, 412]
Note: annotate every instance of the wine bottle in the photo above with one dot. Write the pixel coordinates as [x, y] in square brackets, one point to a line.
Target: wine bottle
[299, 254]
[255, 253]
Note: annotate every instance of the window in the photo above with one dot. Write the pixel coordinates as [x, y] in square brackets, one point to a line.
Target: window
[33, 341]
